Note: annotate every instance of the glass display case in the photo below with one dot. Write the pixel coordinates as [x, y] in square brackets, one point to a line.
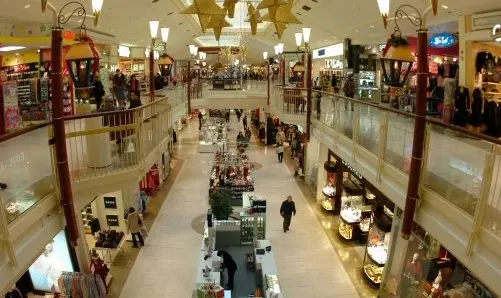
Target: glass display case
[250, 223]
[353, 212]
[376, 253]
[329, 201]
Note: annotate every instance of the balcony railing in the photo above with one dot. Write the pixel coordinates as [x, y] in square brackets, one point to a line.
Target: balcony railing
[26, 169]
[461, 166]
[100, 144]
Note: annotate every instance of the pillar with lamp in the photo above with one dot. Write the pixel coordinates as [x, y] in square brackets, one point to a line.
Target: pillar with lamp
[395, 57]
[307, 71]
[265, 58]
[59, 138]
[193, 55]
[164, 32]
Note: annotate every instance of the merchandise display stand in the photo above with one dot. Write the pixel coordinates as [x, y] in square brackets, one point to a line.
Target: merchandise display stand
[266, 269]
[98, 145]
[213, 136]
[112, 253]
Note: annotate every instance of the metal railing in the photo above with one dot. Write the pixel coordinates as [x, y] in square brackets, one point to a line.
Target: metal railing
[289, 100]
[100, 144]
[461, 166]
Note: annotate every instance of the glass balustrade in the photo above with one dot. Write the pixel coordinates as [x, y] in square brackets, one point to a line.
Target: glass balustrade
[26, 169]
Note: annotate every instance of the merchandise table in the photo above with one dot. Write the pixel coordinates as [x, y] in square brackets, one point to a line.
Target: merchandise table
[209, 147]
[108, 251]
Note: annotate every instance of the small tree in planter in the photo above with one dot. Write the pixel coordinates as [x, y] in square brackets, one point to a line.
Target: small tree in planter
[220, 203]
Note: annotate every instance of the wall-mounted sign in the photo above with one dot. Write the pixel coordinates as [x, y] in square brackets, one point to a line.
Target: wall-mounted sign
[442, 40]
[110, 202]
[330, 51]
[123, 51]
[496, 32]
[112, 220]
[334, 63]
[352, 170]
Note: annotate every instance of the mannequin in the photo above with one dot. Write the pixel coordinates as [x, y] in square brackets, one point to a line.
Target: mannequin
[414, 267]
[97, 266]
[461, 106]
[436, 287]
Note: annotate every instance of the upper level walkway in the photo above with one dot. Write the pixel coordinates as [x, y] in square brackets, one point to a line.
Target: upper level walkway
[245, 94]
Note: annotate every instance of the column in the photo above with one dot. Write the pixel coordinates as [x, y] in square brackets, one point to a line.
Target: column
[466, 53]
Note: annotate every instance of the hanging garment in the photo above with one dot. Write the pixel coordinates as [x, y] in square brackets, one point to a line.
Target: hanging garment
[493, 119]
[461, 102]
[476, 108]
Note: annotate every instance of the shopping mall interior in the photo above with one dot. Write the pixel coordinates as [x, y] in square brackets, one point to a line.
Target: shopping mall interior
[342, 148]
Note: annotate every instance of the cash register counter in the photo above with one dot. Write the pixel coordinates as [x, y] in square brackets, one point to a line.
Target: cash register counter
[266, 270]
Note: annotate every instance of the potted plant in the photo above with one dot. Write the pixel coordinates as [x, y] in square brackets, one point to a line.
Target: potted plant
[220, 203]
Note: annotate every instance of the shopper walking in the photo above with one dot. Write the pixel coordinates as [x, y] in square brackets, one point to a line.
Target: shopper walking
[119, 87]
[280, 137]
[244, 122]
[227, 116]
[134, 87]
[239, 114]
[230, 265]
[200, 118]
[286, 210]
[349, 91]
[98, 90]
[134, 224]
[280, 152]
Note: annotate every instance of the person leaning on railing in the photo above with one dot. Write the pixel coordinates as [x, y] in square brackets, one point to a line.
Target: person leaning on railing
[117, 119]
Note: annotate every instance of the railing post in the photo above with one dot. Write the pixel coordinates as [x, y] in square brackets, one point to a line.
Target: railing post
[383, 139]
[268, 82]
[489, 162]
[189, 87]
[424, 162]
[152, 73]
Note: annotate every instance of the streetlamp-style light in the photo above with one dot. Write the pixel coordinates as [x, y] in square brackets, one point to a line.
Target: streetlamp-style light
[164, 32]
[395, 55]
[97, 5]
[277, 50]
[306, 35]
[384, 8]
[299, 38]
[265, 55]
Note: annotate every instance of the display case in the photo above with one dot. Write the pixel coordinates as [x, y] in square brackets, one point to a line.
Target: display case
[353, 212]
[367, 84]
[376, 253]
[329, 193]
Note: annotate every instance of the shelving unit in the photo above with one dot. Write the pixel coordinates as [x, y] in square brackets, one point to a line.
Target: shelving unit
[326, 79]
[367, 83]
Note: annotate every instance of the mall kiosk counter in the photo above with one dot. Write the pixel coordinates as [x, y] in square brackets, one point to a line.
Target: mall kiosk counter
[213, 136]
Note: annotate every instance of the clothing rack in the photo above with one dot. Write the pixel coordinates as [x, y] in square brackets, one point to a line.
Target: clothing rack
[80, 285]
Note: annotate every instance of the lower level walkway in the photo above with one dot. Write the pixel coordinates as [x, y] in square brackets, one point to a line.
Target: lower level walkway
[166, 267]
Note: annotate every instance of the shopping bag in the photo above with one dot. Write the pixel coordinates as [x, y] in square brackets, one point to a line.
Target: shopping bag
[143, 231]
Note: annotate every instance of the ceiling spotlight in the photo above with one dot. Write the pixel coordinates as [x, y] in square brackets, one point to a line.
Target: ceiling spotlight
[27, 6]
[445, 6]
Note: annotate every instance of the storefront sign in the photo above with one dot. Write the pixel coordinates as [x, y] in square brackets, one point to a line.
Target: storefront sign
[333, 64]
[442, 40]
[123, 51]
[496, 32]
[352, 170]
[330, 51]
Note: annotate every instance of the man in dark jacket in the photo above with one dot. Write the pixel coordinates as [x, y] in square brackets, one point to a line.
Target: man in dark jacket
[230, 265]
[98, 90]
[286, 210]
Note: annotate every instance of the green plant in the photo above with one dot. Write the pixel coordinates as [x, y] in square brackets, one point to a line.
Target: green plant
[220, 203]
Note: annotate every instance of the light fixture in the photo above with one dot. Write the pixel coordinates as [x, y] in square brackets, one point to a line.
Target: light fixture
[97, 5]
[299, 38]
[384, 9]
[281, 48]
[445, 6]
[265, 55]
[165, 34]
[192, 48]
[276, 50]
[306, 34]
[27, 6]
[11, 48]
[154, 29]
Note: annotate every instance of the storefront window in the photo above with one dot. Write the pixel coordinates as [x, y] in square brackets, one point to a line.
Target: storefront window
[430, 270]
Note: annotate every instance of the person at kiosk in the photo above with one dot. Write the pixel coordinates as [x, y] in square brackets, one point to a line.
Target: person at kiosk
[230, 265]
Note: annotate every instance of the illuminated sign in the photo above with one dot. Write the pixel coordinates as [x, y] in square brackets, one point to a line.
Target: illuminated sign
[330, 51]
[496, 32]
[333, 64]
[442, 40]
[123, 51]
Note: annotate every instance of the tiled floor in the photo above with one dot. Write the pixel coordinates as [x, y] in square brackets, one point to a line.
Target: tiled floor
[165, 267]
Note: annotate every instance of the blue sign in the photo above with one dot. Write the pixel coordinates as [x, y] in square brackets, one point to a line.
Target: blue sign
[442, 40]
